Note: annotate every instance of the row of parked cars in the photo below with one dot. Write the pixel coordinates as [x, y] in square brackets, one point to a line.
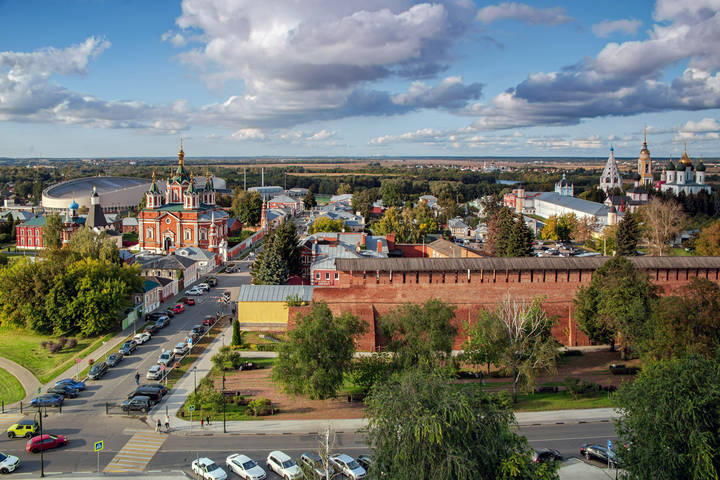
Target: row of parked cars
[144, 397]
[56, 395]
[285, 466]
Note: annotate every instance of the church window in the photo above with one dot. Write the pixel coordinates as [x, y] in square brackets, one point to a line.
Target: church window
[22, 240]
[167, 220]
[149, 232]
[188, 234]
[203, 234]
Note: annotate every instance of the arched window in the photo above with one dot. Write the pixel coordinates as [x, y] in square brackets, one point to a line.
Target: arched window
[203, 234]
[149, 232]
[188, 234]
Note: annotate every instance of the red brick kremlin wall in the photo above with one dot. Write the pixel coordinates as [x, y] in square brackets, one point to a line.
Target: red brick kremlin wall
[370, 294]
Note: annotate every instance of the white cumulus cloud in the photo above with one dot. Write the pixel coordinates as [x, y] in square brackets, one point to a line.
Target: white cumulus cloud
[608, 27]
[523, 12]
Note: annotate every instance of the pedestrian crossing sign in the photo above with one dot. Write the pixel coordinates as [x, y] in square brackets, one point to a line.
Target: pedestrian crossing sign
[98, 446]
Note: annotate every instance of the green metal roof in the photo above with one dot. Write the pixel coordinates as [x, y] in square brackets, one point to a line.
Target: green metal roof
[36, 222]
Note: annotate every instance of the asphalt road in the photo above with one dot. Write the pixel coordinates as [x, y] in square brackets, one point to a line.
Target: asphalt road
[114, 386]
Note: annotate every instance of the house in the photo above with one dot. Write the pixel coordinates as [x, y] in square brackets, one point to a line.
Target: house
[342, 198]
[205, 260]
[265, 307]
[297, 192]
[442, 248]
[234, 226]
[319, 247]
[174, 267]
[129, 225]
[267, 192]
[29, 235]
[168, 287]
[431, 201]
[151, 295]
[459, 229]
[294, 205]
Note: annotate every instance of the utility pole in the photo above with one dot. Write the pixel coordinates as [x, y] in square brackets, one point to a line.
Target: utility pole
[223, 395]
[42, 459]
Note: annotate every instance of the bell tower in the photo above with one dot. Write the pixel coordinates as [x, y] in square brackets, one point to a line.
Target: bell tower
[645, 163]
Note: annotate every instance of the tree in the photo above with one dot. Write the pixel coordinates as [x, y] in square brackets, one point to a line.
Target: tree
[247, 206]
[86, 243]
[627, 236]
[423, 427]
[521, 339]
[521, 238]
[363, 200]
[236, 335]
[318, 354]
[508, 236]
[52, 232]
[685, 323]
[480, 347]
[662, 221]
[560, 228]
[584, 229]
[424, 219]
[326, 224]
[270, 267]
[619, 299]
[421, 335]
[285, 239]
[309, 201]
[708, 242]
[392, 193]
[344, 189]
[670, 420]
[393, 222]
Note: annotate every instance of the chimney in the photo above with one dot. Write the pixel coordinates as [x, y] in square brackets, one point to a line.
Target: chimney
[379, 246]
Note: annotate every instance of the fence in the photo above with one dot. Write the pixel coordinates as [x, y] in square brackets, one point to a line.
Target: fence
[245, 244]
[133, 316]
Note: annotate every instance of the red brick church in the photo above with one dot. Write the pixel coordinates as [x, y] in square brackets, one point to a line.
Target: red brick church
[186, 216]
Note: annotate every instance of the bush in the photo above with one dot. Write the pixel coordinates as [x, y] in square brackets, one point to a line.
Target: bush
[90, 361]
[54, 347]
[576, 387]
[44, 344]
[62, 341]
[270, 347]
[260, 406]
[72, 343]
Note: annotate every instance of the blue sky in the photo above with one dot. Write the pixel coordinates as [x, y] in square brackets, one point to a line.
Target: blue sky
[94, 78]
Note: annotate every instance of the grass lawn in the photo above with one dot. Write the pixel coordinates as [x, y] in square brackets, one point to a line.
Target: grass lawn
[536, 402]
[24, 347]
[10, 388]
[253, 338]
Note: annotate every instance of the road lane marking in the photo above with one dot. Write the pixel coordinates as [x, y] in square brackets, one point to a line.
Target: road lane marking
[137, 453]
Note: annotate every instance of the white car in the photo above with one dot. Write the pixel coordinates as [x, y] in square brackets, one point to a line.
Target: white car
[203, 286]
[141, 338]
[166, 358]
[194, 291]
[155, 373]
[181, 348]
[8, 463]
[348, 466]
[207, 469]
[283, 465]
[245, 467]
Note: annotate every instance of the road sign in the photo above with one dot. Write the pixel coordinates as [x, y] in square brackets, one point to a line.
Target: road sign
[77, 360]
[609, 444]
[191, 408]
[39, 390]
[162, 367]
[98, 446]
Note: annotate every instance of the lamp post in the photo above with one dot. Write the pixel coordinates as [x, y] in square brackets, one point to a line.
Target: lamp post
[195, 372]
[223, 395]
[42, 459]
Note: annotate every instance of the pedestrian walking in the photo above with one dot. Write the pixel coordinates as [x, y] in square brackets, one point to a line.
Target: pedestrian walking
[157, 426]
[202, 422]
[137, 378]
[167, 423]
[207, 420]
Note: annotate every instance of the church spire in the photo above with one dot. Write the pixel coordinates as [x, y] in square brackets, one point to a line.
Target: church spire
[181, 154]
[611, 177]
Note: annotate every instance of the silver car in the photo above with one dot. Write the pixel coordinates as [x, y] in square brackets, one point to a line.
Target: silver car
[348, 466]
[181, 348]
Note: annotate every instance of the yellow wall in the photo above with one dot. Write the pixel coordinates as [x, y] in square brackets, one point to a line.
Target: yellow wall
[263, 312]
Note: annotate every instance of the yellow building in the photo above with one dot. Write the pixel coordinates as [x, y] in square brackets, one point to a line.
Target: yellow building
[645, 164]
[265, 307]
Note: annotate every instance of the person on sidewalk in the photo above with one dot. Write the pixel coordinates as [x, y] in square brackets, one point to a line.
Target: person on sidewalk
[167, 423]
[137, 378]
[207, 420]
[202, 422]
[157, 426]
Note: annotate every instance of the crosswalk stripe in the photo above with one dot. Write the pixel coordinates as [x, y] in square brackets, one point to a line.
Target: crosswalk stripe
[137, 453]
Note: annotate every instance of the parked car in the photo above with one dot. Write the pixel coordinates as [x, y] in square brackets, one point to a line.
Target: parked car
[546, 455]
[212, 281]
[283, 465]
[128, 347]
[139, 403]
[97, 370]
[151, 329]
[194, 291]
[114, 358]
[365, 461]
[203, 286]
[348, 466]
[179, 308]
[199, 329]
[167, 357]
[141, 338]
[65, 390]
[245, 467]
[181, 348]
[162, 322]
[8, 463]
[47, 400]
[169, 312]
[600, 453]
[155, 315]
[189, 301]
[208, 321]
[207, 469]
[154, 373]
[154, 394]
[24, 428]
[158, 387]
[314, 464]
[73, 383]
[45, 442]
[622, 369]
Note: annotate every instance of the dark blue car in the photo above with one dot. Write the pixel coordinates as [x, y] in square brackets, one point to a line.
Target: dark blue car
[47, 400]
[73, 383]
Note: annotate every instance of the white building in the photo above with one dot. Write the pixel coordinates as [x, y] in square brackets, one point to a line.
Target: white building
[684, 177]
[611, 177]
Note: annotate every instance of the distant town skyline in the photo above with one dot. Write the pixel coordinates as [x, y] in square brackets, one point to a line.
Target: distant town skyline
[359, 78]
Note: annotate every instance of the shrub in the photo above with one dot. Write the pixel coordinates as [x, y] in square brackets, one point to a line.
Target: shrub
[72, 343]
[62, 341]
[270, 347]
[55, 347]
[260, 406]
[49, 345]
[90, 361]
[44, 344]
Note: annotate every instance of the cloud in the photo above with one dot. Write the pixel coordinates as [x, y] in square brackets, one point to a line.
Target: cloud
[624, 78]
[704, 125]
[450, 93]
[523, 13]
[608, 27]
[249, 134]
[321, 135]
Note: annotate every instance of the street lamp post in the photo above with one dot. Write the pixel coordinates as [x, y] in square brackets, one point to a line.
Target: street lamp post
[195, 372]
[223, 395]
[42, 459]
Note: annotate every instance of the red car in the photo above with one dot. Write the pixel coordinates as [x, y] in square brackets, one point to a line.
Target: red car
[45, 442]
[179, 308]
[189, 301]
[208, 321]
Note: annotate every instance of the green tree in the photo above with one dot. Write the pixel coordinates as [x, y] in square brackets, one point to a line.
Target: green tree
[270, 267]
[318, 353]
[344, 189]
[309, 201]
[480, 346]
[627, 236]
[424, 219]
[708, 242]
[363, 200]
[86, 243]
[508, 236]
[393, 222]
[424, 427]
[521, 340]
[326, 224]
[560, 228]
[285, 239]
[236, 335]
[670, 421]
[392, 193]
[247, 206]
[619, 299]
[52, 232]
[420, 335]
[520, 241]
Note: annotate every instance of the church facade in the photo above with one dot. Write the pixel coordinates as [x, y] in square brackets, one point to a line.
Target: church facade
[685, 177]
[186, 216]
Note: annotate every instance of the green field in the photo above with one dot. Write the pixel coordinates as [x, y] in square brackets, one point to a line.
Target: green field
[537, 402]
[23, 347]
[10, 388]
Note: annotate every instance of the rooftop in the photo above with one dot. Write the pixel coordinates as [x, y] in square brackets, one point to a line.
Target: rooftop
[578, 204]
[274, 293]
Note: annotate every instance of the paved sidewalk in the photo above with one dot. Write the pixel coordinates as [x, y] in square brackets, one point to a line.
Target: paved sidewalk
[24, 376]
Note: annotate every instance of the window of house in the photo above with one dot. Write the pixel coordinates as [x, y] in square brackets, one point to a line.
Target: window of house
[203, 234]
[317, 276]
[337, 275]
[188, 234]
[149, 232]
[22, 240]
[327, 276]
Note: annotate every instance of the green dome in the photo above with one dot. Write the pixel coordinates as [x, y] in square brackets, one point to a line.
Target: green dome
[680, 167]
[700, 167]
[671, 165]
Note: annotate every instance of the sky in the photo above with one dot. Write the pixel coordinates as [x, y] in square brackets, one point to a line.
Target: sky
[116, 78]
